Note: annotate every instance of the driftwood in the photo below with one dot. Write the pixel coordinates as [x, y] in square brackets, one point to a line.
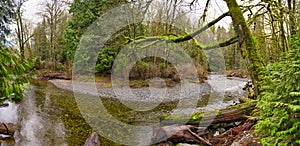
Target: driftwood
[8, 140]
[179, 134]
[186, 134]
[230, 114]
[93, 140]
[7, 128]
[228, 137]
[50, 76]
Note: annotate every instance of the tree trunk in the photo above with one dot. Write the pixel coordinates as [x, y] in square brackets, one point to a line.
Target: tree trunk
[245, 36]
[228, 115]
[7, 128]
[292, 18]
[281, 25]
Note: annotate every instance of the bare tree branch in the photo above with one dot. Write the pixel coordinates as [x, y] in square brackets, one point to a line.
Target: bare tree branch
[205, 10]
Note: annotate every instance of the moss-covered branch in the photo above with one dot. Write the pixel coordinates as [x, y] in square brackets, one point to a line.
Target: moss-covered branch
[222, 44]
[178, 39]
[200, 30]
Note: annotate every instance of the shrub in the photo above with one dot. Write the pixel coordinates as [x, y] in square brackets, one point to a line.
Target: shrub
[279, 101]
[14, 75]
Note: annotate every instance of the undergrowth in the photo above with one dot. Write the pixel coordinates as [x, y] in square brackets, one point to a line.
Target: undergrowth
[279, 101]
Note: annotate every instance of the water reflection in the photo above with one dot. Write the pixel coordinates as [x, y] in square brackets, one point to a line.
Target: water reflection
[39, 124]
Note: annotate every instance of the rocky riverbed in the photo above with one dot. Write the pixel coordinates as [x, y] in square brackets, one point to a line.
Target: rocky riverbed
[216, 93]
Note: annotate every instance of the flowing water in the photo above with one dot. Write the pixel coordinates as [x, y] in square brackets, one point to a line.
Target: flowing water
[49, 116]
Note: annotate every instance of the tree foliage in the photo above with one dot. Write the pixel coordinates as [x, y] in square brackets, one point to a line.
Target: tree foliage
[41, 43]
[279, 102]
[83, 14]
[13, 71]
[13, 68]
[6, 16]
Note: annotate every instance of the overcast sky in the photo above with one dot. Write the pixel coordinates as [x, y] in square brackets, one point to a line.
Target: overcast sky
[32, 7]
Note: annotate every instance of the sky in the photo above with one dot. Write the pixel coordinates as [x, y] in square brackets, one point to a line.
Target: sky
[31, 8]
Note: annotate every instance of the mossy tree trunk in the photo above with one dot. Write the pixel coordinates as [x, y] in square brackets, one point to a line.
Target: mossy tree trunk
[245, 37]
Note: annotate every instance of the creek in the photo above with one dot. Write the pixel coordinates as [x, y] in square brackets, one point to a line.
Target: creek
[50, 116]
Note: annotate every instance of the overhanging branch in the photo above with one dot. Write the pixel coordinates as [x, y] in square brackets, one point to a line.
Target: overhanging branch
[188, 36]
[208, 25]
[222, 44]
[184, 37]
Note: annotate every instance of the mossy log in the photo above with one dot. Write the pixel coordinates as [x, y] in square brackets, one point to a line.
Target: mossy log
[230, 114]
[7, 128]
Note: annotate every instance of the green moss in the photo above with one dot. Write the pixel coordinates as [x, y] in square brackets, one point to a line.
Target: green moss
[246, 100]
[197, 116]
[241, 105]
[218, 112]
[242, 29]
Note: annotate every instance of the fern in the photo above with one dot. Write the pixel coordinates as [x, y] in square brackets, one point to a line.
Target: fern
[279, 109]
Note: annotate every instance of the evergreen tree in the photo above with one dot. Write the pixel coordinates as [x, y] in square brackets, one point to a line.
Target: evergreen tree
[83, 14]
[6, 16]
[40, 42]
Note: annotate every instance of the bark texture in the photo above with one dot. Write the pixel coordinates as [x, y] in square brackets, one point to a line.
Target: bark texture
[7, 128]
[245, 37]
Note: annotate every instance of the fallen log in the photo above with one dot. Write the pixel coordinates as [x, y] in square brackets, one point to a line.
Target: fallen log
[51, 76]
[7, 128]
[230, 114]
[178, 134]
